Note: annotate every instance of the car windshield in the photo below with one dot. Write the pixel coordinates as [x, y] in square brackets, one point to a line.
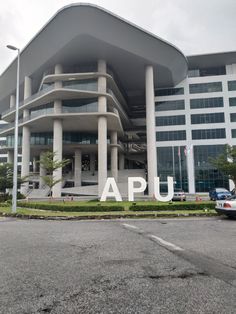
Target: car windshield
[221, 190]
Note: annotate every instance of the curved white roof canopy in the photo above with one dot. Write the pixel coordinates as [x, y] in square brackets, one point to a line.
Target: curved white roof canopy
[84, 33]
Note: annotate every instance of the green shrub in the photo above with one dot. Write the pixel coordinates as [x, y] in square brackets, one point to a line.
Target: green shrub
[70, 208]
[8, 197]
[173, 206]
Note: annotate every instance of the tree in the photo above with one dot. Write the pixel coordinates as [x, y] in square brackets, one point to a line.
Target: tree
[49, 162]
[6, 177]
[226, 162]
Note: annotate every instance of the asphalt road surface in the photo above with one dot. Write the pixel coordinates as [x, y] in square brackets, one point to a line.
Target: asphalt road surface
[121, 266]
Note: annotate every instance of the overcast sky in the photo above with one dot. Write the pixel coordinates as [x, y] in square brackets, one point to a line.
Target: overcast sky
[194, 26]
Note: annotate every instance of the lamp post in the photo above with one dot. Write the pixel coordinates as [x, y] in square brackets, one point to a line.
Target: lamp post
[14, 191]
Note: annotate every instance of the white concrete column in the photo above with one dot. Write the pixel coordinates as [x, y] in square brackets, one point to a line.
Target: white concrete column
[78, 167]
[34, 165]
[114, 156]
[121, 161]
[92, 162]
[57, 149]
[10, 157]
[12, 101]
[26, 138]
[150, 127]
[58, 70]
[191, 174]
[102, 129]
[42, 173]
[57, 136]
[27, 87]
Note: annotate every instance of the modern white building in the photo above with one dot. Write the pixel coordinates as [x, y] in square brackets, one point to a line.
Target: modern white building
[117, 101]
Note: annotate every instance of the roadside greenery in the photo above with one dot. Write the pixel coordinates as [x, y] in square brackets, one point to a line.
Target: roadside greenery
[71, 206]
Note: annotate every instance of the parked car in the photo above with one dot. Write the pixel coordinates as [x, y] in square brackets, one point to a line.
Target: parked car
[179, 195]
[219, 194]
[227, 207]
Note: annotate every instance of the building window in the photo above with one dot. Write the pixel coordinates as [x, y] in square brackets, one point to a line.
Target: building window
[232, 101]
[171, 136]
[169, 105]
[42, 110]
[207, 176]
[172, 161]
[233, 133]
[204, 134]
[206, 102]
[87, 85]
[231, 85]
[233, 117]
[208, 118]
[207, 72]
[205, 88]
[169, 91]
[170, 120]
[79, 105]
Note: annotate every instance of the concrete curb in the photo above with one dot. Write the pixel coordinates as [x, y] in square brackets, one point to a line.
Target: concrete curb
[107, 217]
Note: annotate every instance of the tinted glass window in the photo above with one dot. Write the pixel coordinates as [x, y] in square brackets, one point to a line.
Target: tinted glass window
[232, 85]
[207, 118]
[206, 102]
[169, 105]
[171, 135]
[170, 120]
[232, 101]
[233, 117]
[204, 134]
[169, 91]
[205, 87]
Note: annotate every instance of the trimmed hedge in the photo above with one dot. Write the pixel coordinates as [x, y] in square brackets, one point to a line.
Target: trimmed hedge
[173, 206]
[71, 208]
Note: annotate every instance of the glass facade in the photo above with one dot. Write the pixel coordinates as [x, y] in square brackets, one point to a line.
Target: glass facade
[232, 85]
[205, 87]
[207, 176]
[171, 161]
[46, 85]
[41, 110]
[46, 138]
[206, 103]
[204, 134]
[169, 105]
[10, 140]
[171, 136]
[79, 138]
[79, 105]
[169, 91]
[170, 120]
[203, 118]
[232, 101]
[86, 85]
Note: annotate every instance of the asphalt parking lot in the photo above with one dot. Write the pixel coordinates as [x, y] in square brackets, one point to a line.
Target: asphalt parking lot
[119, 266]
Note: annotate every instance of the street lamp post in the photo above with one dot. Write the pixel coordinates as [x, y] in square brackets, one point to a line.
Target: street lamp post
[14, 191]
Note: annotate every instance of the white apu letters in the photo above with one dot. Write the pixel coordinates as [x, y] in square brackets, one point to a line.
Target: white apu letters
[132, 189]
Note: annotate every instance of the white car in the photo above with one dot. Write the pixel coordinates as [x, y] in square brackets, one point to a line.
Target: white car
[179, 195]
[227, 207]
